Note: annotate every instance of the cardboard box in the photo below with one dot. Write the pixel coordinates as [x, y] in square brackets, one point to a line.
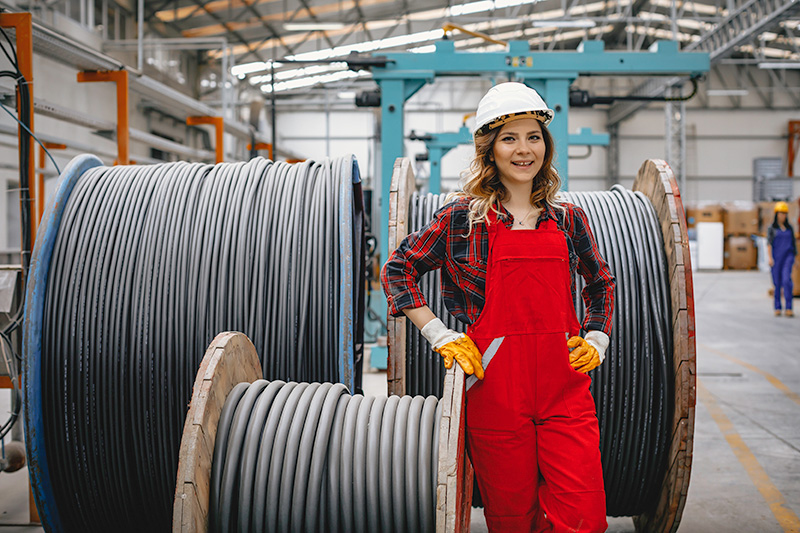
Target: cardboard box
[691, 216]
[740, 253]
[703, 213]
[741, 218]
[796, 274]
[765, 216]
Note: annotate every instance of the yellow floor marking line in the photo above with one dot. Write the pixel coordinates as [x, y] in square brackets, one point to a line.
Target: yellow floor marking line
[778, 384]
[777, 504]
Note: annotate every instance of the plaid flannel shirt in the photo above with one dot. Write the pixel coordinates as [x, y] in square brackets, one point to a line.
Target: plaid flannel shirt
[442, 244]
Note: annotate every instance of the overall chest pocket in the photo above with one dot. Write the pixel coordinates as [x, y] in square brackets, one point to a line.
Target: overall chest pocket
[529, 294]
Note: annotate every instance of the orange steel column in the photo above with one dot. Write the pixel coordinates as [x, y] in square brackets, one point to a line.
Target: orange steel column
[21, 22]
[794, 137]
[120, 77]
[40, 188]
[262, 146]
[219, 124]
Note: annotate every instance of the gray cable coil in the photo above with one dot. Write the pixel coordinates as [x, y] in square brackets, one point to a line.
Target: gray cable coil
[311, 457]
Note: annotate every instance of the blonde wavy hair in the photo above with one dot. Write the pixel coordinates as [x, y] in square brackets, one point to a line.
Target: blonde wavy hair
[482, 185]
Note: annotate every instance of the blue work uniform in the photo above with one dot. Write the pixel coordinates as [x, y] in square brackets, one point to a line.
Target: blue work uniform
[784, 249]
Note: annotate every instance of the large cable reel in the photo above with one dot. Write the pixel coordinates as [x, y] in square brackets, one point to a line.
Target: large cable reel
[135, 270]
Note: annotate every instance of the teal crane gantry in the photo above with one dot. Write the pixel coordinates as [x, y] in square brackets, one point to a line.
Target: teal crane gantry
[550, 73]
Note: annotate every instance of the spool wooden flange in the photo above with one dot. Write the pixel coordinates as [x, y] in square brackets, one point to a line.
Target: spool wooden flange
[229, 360]
[400, 191]
[656, 181]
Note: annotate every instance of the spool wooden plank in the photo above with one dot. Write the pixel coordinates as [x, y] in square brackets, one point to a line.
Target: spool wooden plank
[400, 191]
[656, 181]
[454, 476]
[444, 437]
[229, 360]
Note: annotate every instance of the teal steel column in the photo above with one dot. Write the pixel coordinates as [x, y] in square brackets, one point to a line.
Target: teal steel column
[435, 156]
[392, 126]
[394, 93]
[392, 147]
[557, 97]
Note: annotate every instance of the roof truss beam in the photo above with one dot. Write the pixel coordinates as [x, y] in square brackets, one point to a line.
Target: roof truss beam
[750, 19]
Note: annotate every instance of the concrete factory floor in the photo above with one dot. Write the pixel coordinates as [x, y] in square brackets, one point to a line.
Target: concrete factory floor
[747, 434]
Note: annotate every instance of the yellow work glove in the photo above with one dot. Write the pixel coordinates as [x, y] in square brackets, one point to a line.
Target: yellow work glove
[453, 345]
[587, 354]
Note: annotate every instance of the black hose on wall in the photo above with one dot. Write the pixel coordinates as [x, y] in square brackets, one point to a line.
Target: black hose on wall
[633, 389]
[149, 264]
[311, 457]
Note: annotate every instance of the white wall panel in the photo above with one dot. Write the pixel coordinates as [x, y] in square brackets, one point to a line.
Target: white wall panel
[721, 145]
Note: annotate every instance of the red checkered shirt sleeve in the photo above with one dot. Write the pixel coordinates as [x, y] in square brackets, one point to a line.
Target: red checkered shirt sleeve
[419, 253]
[598, 293]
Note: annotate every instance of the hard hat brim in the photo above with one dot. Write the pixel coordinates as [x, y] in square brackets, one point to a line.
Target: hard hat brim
[543, 116]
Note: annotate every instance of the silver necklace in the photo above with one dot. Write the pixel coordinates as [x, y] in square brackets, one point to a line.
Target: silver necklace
[522, 221]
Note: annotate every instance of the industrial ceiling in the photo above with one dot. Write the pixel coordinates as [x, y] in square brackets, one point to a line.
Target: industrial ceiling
[258, 33]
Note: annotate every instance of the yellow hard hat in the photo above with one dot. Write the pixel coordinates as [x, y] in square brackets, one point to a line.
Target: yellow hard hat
[781, 207]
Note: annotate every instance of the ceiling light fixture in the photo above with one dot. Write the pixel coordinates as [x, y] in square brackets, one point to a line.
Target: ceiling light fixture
[727, 92]
[256, 66]
[313, 26]
[562, 23]
[779, 64]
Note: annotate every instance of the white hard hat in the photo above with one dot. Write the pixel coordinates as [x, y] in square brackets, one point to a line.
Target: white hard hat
[510, 101]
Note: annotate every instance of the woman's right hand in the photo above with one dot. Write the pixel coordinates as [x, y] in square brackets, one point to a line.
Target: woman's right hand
[771, 262]
[453, 345]
[465, 352]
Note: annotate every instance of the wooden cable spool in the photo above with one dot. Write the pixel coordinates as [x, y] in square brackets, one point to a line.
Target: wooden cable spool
[656, 181]
[232, 359]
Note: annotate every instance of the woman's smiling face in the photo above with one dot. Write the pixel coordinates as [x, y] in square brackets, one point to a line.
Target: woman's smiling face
[519, 151]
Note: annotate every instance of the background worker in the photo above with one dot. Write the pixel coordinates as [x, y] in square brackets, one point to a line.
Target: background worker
[782, 249]
[508, 250]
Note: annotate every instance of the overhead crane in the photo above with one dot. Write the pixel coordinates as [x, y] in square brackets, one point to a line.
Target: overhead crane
[401, 75]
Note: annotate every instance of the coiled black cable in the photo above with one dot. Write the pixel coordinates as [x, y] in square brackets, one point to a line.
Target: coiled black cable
[424, 368]
[311, 457]
[633, 389]
[149, 263]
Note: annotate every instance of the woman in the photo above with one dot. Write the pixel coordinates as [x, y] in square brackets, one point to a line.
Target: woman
[781, 248]
[508, 250]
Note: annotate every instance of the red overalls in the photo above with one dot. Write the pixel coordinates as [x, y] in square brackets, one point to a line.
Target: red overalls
[531, 425]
